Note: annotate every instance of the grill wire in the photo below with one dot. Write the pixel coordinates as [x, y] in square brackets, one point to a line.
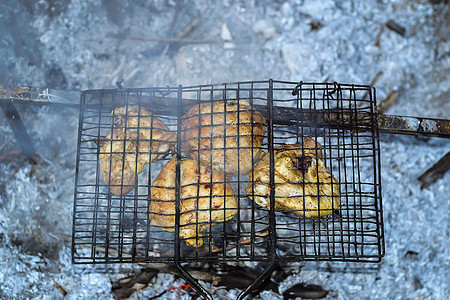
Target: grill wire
[117, 229]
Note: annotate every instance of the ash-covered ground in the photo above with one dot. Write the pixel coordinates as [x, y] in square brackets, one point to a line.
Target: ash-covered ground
[83, 44]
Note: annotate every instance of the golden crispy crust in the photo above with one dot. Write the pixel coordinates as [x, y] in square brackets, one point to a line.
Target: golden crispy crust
[300, 175]
[204, 200]
[137, 139]
[216, 134]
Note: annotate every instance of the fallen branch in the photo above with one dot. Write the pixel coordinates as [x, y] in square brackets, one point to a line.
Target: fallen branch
[435, 172]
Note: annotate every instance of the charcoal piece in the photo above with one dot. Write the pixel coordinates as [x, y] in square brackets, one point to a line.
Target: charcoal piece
[55, 78]
[315, 25]
[127, 286]
[280, 273]
[305, 290]
[397, 28]
[417, 284]
[36, 246]
[410, 254]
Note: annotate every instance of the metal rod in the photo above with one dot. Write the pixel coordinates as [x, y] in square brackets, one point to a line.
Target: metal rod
[77, 172]
[177, 245]
[40, 96]
[21, 133]
[414, 126]
[272, 221]
[377, 175]
[432, 127]
[178, 186]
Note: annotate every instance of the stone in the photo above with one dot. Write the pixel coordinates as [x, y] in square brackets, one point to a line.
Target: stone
[225, 34]
[265, 28]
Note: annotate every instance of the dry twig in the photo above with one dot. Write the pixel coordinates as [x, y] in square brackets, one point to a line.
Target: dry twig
[390, 100]
[60, 288]
[175, 40]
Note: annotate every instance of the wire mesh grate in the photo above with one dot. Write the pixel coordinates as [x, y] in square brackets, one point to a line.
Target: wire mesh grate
[112, 222]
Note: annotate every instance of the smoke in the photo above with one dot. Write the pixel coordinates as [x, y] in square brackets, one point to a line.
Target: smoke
[87, 44]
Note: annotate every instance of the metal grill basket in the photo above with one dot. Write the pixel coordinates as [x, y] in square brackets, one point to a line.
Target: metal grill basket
[342, 118]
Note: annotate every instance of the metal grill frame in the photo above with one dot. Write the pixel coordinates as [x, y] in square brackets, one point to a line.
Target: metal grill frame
[336, 113]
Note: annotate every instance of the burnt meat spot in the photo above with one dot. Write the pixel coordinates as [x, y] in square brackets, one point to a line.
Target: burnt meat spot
[302, 163]
[117, 121]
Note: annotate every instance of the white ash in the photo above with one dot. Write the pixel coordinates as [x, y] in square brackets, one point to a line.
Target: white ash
[80, 40]
[264, 27]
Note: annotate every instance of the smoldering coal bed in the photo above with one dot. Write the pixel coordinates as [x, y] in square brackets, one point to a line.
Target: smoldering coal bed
[309, 40]
[111, 228]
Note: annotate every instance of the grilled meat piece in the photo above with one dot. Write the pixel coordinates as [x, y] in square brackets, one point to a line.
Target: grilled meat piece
[137, 138]
[229, 138]
[300, 176]
[206, 199]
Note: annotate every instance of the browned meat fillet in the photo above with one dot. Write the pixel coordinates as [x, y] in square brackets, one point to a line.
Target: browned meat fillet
[302, 183]
[125, 151]
[206, 199]
[232, 125]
